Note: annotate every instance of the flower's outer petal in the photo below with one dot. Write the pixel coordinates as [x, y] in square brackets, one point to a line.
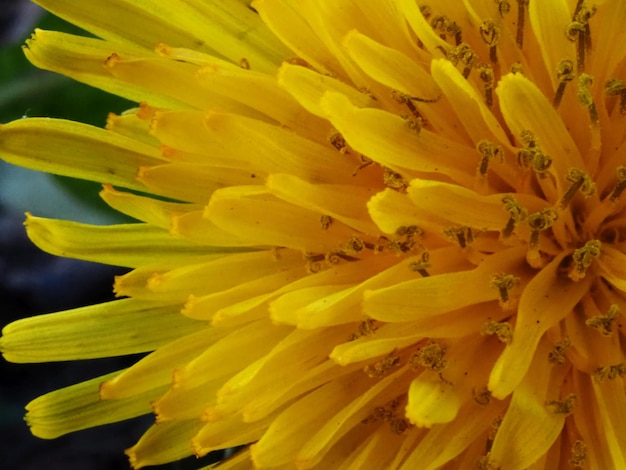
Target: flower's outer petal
[225, 140]
[163, 443]
[547, 20]
[130, 125]
[457, 205]
[180, 24]
[345, 203]
[530, 426]
[437, 448]
[128, 245]
[194, 227]
[426, 34]
[252, 214]
[72, 149]
[525, 107]
[609, 41]
[352, 414]
[390, 67]
[190, 182]
[102, 330]
[389, 140]
[438, 294]
[227, 433]
[83, 59]
[79, 407]
[308, 87]
[546, 300]
[155, 369]
[146, 209]
[290, 24]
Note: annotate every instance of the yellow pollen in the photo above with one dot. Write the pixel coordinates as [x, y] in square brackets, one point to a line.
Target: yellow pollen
[563, 407]
[557, 355]
[432, 356]
[564, 74]
[579, 455]
[586, 98]
[379, 369]
[490, 34]
[609, 372]
[604, 323]
[504, 283]
[583, 257]
[580, 181]
[502, 330]
[617, 87]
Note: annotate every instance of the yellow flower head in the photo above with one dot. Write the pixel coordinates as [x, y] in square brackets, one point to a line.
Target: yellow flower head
[374, 234]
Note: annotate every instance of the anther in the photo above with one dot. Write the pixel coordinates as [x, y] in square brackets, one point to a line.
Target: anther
[585, 97]
[519, 36]
[517, 212]
[337, 141]
[422, 265]
[578, 30]
[488, 152]
[579, 455]
[604, 323]
[621, 183]
[366, 328]
[504, 283]
[432, 356]
[617, 87]
[557, 355]
[609, 372]
[464, 236]
[482, 397]
[394, 180]
[563, 407]
[326, 221]
[486, 76]
[564, 74]
[490, 34]
[581, 181]
[380, 368]
[502, 330]
[583, 257]
[538, 222]
[504, 7]
[464, 55]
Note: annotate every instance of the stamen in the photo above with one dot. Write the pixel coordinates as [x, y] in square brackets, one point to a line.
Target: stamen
[604, 323]
[518, 214]
[531, 156]
[464, 55]
[557, 355]
[422, 265]
[586, 99]
[483, 397]
[621, 183]
[583, 257]
[617, 87]
[443, 26]
[579, 455]
[519, 37]
[487, 77]
[337, 141]
[609, 372]
[578, 30]
[502, 330]
[394, 180]
[504, 283]
[490, 34]
[462, 235]
[538, 222]
[431, 356]
[488, 152]
[580, 181]
[565, 406]
[366, 328]
[380, 368]
[565, 74]
[504, 7]
[326, 221]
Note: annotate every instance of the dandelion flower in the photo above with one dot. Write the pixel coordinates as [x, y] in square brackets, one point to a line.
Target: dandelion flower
[372, 234]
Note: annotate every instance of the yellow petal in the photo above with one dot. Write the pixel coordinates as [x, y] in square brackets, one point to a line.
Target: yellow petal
[126, 245]
[73, 149]
[102, 330]
[545, 301]
[79, 407]
[178, 23]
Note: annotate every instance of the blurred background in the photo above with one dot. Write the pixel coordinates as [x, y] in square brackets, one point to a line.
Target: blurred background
[32, 282]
